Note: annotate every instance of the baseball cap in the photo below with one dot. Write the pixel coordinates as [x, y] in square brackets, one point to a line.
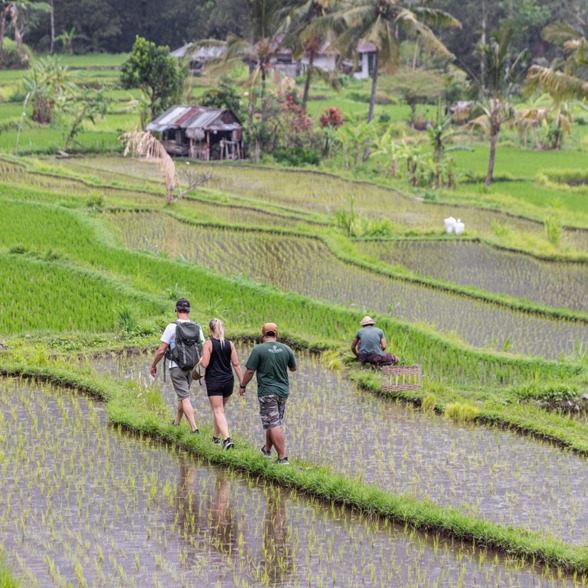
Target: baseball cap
[183, 303]
[269, 328]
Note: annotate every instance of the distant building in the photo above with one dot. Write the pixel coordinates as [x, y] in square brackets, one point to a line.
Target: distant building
[326, 59]
[199, 56]
[200, 132]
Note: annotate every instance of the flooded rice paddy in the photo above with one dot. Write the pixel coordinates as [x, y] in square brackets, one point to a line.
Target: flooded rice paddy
[557, 284]
[86, 505]
[322, 193]
[485, 472]
[306, 266]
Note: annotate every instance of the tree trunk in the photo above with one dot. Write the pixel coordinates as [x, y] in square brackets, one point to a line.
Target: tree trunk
[374, 85]
[52, 22]
[366, 151]
[2, 31]
[493, 141]
[307, 80]
[483, 40]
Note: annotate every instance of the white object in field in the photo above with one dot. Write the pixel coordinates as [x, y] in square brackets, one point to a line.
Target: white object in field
[449, 225]
[459, 227]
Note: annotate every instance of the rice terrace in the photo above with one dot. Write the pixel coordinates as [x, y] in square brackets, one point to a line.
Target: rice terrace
[331, 167]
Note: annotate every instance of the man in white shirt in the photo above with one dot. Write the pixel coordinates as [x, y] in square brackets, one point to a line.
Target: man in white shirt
[181, 379]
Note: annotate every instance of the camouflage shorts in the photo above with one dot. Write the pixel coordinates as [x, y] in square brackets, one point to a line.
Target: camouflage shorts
[271, 410]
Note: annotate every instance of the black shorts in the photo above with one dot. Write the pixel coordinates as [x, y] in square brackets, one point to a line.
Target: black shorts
[224, 392]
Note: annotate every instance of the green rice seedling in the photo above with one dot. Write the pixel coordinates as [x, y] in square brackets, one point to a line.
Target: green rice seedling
[479, 265]
[330, 279]
[402, 451]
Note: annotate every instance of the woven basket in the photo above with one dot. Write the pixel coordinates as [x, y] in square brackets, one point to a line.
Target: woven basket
[396, 378]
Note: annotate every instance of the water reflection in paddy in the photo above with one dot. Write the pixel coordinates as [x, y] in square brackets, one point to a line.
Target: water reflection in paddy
[83, 504]
[485, 472]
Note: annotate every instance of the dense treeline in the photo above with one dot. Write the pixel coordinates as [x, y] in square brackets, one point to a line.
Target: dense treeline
[110, 25]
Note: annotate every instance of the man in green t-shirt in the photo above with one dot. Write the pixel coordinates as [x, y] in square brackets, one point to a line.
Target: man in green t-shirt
[271, 361]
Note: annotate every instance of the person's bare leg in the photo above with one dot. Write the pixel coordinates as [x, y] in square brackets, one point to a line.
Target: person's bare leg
[220, 421]
[189, 412]
[215, 431]
[277, 439]
[268, 441]
[179, 414]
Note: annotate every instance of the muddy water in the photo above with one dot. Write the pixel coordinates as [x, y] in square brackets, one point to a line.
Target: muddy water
[307, 267]
[558, 284]
[486, 472]
[83, 504]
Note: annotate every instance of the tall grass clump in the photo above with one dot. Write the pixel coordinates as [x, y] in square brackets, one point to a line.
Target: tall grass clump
[461, 412]
[553, 229]
[7, 580]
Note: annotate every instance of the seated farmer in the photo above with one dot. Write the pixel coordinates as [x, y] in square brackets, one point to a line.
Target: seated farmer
[369, 344]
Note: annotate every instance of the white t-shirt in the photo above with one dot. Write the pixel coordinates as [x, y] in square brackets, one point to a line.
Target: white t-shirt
[169, 337]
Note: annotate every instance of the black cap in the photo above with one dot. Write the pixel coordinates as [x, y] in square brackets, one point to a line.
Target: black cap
[183, 304]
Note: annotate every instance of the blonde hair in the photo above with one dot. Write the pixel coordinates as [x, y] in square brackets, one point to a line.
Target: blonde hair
[218, 330]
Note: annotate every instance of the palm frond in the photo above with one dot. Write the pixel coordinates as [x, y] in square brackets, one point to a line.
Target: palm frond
[408, 21]
[434, 17]
[144, 145]
[559, 32]
[557, 83]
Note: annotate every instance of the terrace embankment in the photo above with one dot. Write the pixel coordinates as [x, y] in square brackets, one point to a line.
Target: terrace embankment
[306, 266]
[86, 504]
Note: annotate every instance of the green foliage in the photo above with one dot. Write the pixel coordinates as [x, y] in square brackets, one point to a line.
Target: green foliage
[296, 156]
[90, 106]
[225, 95]
[155, 72]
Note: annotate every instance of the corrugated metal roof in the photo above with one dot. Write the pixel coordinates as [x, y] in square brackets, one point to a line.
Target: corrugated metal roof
[193, 117]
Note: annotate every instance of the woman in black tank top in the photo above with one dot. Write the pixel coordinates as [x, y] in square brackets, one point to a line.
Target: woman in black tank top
[219, 358]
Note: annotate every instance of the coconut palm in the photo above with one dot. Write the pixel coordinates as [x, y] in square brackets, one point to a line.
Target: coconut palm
[500, 75]
[571, 81]
[379, 22]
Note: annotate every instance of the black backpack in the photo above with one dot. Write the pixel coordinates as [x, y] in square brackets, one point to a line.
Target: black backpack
[188, 350]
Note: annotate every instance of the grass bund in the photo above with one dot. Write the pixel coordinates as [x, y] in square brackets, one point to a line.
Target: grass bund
[137, 413]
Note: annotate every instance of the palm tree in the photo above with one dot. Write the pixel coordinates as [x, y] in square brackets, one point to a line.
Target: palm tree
[568, 83]
[49, 83]
[307, 35]
[500, 74]
[379, 22]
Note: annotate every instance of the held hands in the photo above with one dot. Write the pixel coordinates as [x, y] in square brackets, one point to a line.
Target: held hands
[242, 390]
